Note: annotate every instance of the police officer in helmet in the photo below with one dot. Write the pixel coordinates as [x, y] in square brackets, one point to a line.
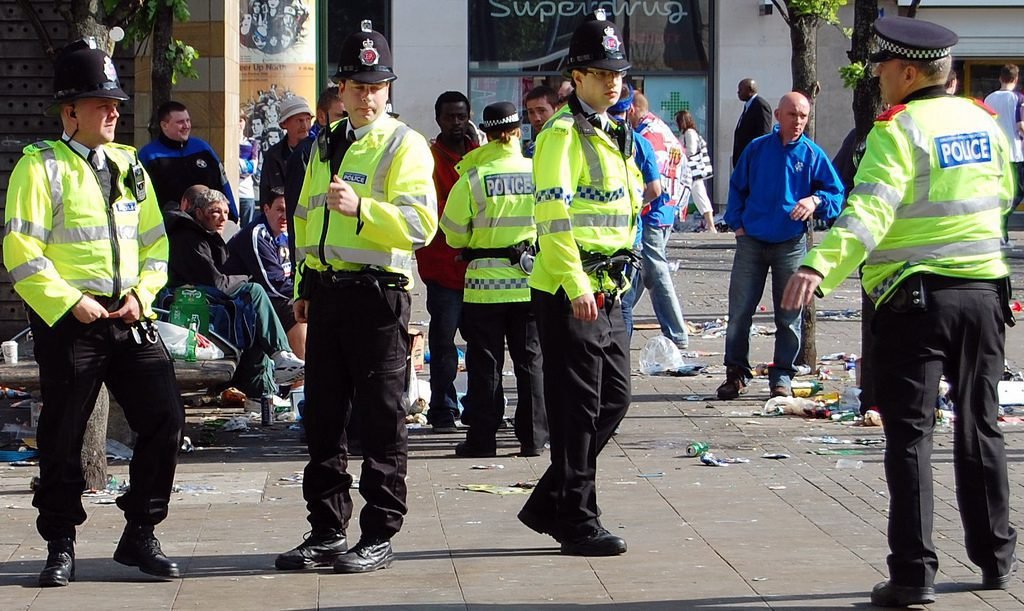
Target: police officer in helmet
[86, 249]
[925, 218]
[367, 201]
[585, 228]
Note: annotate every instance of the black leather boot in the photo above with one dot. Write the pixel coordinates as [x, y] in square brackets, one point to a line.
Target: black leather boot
[60, 563]
[368, 555]
[139, 547]
[320, 548]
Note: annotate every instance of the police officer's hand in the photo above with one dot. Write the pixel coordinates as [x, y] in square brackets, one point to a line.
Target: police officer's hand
[88, 310]
[584, 307]
[300, 309]
[130, 311]
[342, 198]
[804, 209]
[800, 288]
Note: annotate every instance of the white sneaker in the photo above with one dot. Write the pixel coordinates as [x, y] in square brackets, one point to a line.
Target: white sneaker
[288, 368]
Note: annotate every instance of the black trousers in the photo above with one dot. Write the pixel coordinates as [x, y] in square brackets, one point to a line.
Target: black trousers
[960, 334]
[485, 327]
[587, 393]
[357, 349]
[74, 360]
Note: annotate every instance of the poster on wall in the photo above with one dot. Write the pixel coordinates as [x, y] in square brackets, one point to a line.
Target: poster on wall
[277, 60]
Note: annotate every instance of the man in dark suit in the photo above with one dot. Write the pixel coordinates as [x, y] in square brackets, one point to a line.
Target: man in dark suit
[755, 120]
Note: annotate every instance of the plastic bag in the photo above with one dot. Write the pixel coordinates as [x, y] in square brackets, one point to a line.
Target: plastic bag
[176, 338]
[660, 354]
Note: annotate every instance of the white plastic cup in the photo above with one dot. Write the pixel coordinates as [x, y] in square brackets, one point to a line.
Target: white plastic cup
[10, 349]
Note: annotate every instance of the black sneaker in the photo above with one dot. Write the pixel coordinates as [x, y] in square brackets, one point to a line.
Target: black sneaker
[319, 548]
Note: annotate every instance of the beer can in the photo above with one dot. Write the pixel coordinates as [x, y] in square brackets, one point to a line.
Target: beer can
[266, 410]
[696, 448]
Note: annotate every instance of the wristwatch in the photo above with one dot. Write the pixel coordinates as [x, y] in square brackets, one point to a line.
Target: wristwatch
[816, 200]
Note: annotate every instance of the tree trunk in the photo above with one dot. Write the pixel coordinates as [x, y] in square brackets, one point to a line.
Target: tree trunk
[803, 35]
[163, 71]
[84, 19]
[94, 446]
[866, 105]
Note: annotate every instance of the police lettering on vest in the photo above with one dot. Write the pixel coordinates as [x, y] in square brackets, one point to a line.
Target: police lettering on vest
[508, 184]
[961, 149]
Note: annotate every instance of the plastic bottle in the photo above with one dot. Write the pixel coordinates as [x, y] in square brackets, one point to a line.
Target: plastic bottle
[849, 463]
[192, 342]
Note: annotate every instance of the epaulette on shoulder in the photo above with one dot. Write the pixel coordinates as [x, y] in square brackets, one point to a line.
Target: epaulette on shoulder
[37, 147]
[984, 106]
[890, 114]
[561, 123]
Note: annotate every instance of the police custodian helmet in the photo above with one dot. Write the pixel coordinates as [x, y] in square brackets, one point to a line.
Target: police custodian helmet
[596, 44]
[365, 57]
[83, 71]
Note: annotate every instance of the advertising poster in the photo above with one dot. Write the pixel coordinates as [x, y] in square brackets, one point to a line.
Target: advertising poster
[277, 60]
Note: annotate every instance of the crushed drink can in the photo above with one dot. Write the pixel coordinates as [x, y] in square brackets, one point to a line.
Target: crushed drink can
[266, 410]
[696, 448]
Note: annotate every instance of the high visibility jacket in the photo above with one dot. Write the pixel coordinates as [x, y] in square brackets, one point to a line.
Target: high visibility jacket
[390, 169]
[929, 197]
[588, 196]
[491, 206]
[63, 239]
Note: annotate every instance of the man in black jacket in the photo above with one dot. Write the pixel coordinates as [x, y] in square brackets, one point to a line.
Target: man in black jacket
[755, 120]
[197, 256]
[295, 120]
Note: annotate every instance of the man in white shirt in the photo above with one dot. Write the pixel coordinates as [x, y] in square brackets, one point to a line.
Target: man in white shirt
[1007, 102]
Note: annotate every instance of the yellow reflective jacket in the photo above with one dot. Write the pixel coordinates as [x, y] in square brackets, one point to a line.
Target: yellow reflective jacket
[62, 239]
[491, 206]
[588, 197]
[929, 197]
[391, 169]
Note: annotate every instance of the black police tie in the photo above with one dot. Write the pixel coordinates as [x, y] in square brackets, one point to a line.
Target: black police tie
[102, 174]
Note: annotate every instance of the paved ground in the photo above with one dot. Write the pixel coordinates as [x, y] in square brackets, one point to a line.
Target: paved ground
[770, 534]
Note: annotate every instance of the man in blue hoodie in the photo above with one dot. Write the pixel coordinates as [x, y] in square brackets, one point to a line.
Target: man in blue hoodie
[782, 181]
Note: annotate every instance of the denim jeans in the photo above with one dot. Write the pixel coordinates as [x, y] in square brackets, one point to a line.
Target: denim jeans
[246, 211]
[445, 308]
[746, 284]
[657, 278]
[629, 298]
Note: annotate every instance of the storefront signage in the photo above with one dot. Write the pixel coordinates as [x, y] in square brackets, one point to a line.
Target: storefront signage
[546, 9]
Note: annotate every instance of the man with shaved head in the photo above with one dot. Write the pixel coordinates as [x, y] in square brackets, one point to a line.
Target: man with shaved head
[755, 120]
[781, 182]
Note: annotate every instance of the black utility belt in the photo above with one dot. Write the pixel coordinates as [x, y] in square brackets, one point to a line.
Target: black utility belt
[616, 262]
[912, 294]
[368, 278]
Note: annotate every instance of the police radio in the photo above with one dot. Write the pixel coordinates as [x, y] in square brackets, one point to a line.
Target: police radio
[138, 182]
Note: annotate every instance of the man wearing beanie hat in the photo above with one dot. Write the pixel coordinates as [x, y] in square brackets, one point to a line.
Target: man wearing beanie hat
[367, 202]
[86, 248]
[295, 120]
[489, 214]
[588, 197]
[924, 218]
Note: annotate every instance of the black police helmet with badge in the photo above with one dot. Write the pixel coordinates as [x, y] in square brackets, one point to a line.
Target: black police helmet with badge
[83, 71]
[911, 39]
[365, 57]
[500, 116]
[596, 43]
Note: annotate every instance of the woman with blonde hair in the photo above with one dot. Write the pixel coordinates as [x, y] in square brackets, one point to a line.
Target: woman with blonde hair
[700, 166]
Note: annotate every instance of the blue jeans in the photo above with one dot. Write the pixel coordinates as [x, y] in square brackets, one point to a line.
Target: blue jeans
[246, 211]
[445, 308]
[746, 284]
[629, 298]
[657, 278]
